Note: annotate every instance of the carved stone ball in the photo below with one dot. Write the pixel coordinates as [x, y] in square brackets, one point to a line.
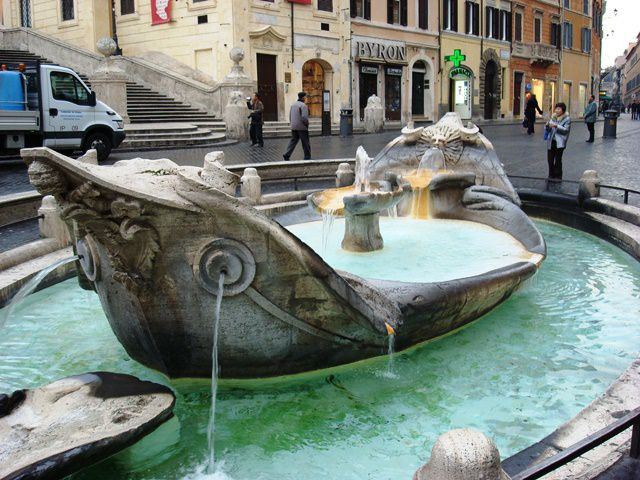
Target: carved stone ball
[463, 454]
[106, 46]
[236, 54]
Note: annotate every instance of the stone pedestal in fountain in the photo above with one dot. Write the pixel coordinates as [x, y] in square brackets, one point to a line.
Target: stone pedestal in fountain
[374, 115]
[362, 219]
[109, 81]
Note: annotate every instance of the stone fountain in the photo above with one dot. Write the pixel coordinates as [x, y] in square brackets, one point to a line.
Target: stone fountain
[155, 237]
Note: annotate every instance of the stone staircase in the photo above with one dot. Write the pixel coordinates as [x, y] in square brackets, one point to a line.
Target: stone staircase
[173, 123]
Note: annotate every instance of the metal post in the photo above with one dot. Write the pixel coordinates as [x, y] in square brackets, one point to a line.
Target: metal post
[634, 452]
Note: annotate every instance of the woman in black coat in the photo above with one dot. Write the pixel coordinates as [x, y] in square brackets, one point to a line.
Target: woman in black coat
[530, 113]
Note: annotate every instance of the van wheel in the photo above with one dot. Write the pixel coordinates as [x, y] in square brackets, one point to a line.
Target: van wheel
[100, 143]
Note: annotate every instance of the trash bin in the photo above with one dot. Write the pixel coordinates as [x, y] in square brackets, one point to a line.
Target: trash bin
[610, 123]
[346, 122]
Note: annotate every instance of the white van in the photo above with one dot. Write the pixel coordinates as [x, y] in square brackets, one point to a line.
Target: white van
[55, 109]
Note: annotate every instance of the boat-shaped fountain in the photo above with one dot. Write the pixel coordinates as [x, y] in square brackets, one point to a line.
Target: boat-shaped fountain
[154, 238]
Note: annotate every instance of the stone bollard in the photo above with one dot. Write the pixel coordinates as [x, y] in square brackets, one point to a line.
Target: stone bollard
[251, 187]
[345, 176]
[217, 176]
[236, 116]
[51, 225]
[463, 454]
[374, 115]
[589, 186]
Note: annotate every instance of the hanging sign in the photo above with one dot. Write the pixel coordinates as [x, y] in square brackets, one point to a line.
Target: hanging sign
[160, 12]
[461, 71]
[394, 71]
[379, 51]
[368, 69]
[301, 2]
[457, 58]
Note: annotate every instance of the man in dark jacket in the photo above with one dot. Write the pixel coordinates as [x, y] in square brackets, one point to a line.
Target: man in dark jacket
[530, 113]
[299, 117]
[590, 113]
[255, 129]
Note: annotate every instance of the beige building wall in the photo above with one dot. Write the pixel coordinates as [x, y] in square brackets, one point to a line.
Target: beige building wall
[576, 64]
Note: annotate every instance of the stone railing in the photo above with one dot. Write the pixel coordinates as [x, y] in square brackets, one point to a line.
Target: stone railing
[536, 52]
[167, 82]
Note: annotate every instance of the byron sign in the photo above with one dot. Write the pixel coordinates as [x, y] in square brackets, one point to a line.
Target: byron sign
[371, 50]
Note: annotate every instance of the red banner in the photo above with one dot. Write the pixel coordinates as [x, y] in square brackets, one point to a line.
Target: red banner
[160, 11]
[302, 2]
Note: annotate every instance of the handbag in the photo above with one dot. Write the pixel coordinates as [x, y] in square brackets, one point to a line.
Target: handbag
[525, 123]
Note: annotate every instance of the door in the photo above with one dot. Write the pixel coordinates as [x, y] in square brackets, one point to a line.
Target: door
[517, 93]
[490, 84]
[313, 86]
[461, 96]
[67, 111]
[267, 85]
[393, 93]
[417, 92]
[368, 85]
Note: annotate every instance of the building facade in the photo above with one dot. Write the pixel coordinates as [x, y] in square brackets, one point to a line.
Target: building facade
[535, 59]
[576, 68]
[475, 52]
[597, 12]
[630, 75]
[395, 56]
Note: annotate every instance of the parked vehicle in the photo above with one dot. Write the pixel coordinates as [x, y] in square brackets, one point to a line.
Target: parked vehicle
[49, 105]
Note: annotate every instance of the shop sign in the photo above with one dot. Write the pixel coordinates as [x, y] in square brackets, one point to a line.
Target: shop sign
[394, 71]
[381, 52]
[367, 69]
[457, 58]
[160, 12]
[301, 2]
[460, 71]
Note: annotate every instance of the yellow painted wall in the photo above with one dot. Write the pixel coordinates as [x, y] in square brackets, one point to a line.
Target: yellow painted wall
[576, 65]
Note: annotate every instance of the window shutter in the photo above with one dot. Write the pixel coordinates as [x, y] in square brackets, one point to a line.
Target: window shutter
[487, 21]
[496, 23]
[403, 12]
[467, 17]
[352, 8]
[454, 9]
[476, 19]
[518, 27]
[390, 11]
[445, 14]
[509, 27]
[423, 19]
[367, 9]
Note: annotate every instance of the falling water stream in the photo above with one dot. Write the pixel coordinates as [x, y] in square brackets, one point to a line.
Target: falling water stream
[30, 287]
[328, 216]
[214, 376]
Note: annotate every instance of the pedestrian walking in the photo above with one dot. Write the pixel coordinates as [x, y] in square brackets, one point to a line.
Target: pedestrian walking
[299, 118]
[557, 128]
[255, 128]
[635, 110]
[530, 113]
[590, 113]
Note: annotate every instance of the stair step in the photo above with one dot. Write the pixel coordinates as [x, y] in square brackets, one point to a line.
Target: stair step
[200, 132]
[172, 141]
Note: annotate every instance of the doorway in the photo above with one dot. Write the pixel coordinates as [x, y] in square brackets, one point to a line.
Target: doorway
[266, 65]
[313, 85]
[537, 88]
[368, 84]
[517, 93]
[417, 89]
[490, 94]
[393, 93]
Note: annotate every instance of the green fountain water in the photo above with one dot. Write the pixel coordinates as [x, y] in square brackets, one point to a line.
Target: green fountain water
[515, 374]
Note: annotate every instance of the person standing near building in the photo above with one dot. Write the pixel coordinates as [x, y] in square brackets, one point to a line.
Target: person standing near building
[590, 113]
[558, 128]
[255, 129]
[299, 118]
[530, 113]
[634, 110]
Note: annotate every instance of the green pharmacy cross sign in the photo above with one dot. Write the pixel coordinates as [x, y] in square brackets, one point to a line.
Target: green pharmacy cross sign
[456, 58]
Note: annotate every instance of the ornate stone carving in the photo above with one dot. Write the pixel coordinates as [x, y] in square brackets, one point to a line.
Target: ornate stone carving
[228, 257]
[121, 227]
[268, 38]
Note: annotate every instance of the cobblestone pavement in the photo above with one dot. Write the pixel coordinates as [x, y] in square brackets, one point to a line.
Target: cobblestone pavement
[614, 159]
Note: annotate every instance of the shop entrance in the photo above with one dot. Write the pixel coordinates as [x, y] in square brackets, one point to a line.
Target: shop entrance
[313, 85]
[393, 93]
[267, 85]
[460, 88]
[517, 93]
[490, 89]
[368, 84]
[537, 88]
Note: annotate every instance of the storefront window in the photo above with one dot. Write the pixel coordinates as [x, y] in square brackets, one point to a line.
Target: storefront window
[393, 93]
[368, 83]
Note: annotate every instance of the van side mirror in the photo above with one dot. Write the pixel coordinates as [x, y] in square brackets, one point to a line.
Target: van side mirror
[92, 99]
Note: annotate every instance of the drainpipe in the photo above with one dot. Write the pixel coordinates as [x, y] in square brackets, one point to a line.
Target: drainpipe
[292, 42]
[115, 28]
